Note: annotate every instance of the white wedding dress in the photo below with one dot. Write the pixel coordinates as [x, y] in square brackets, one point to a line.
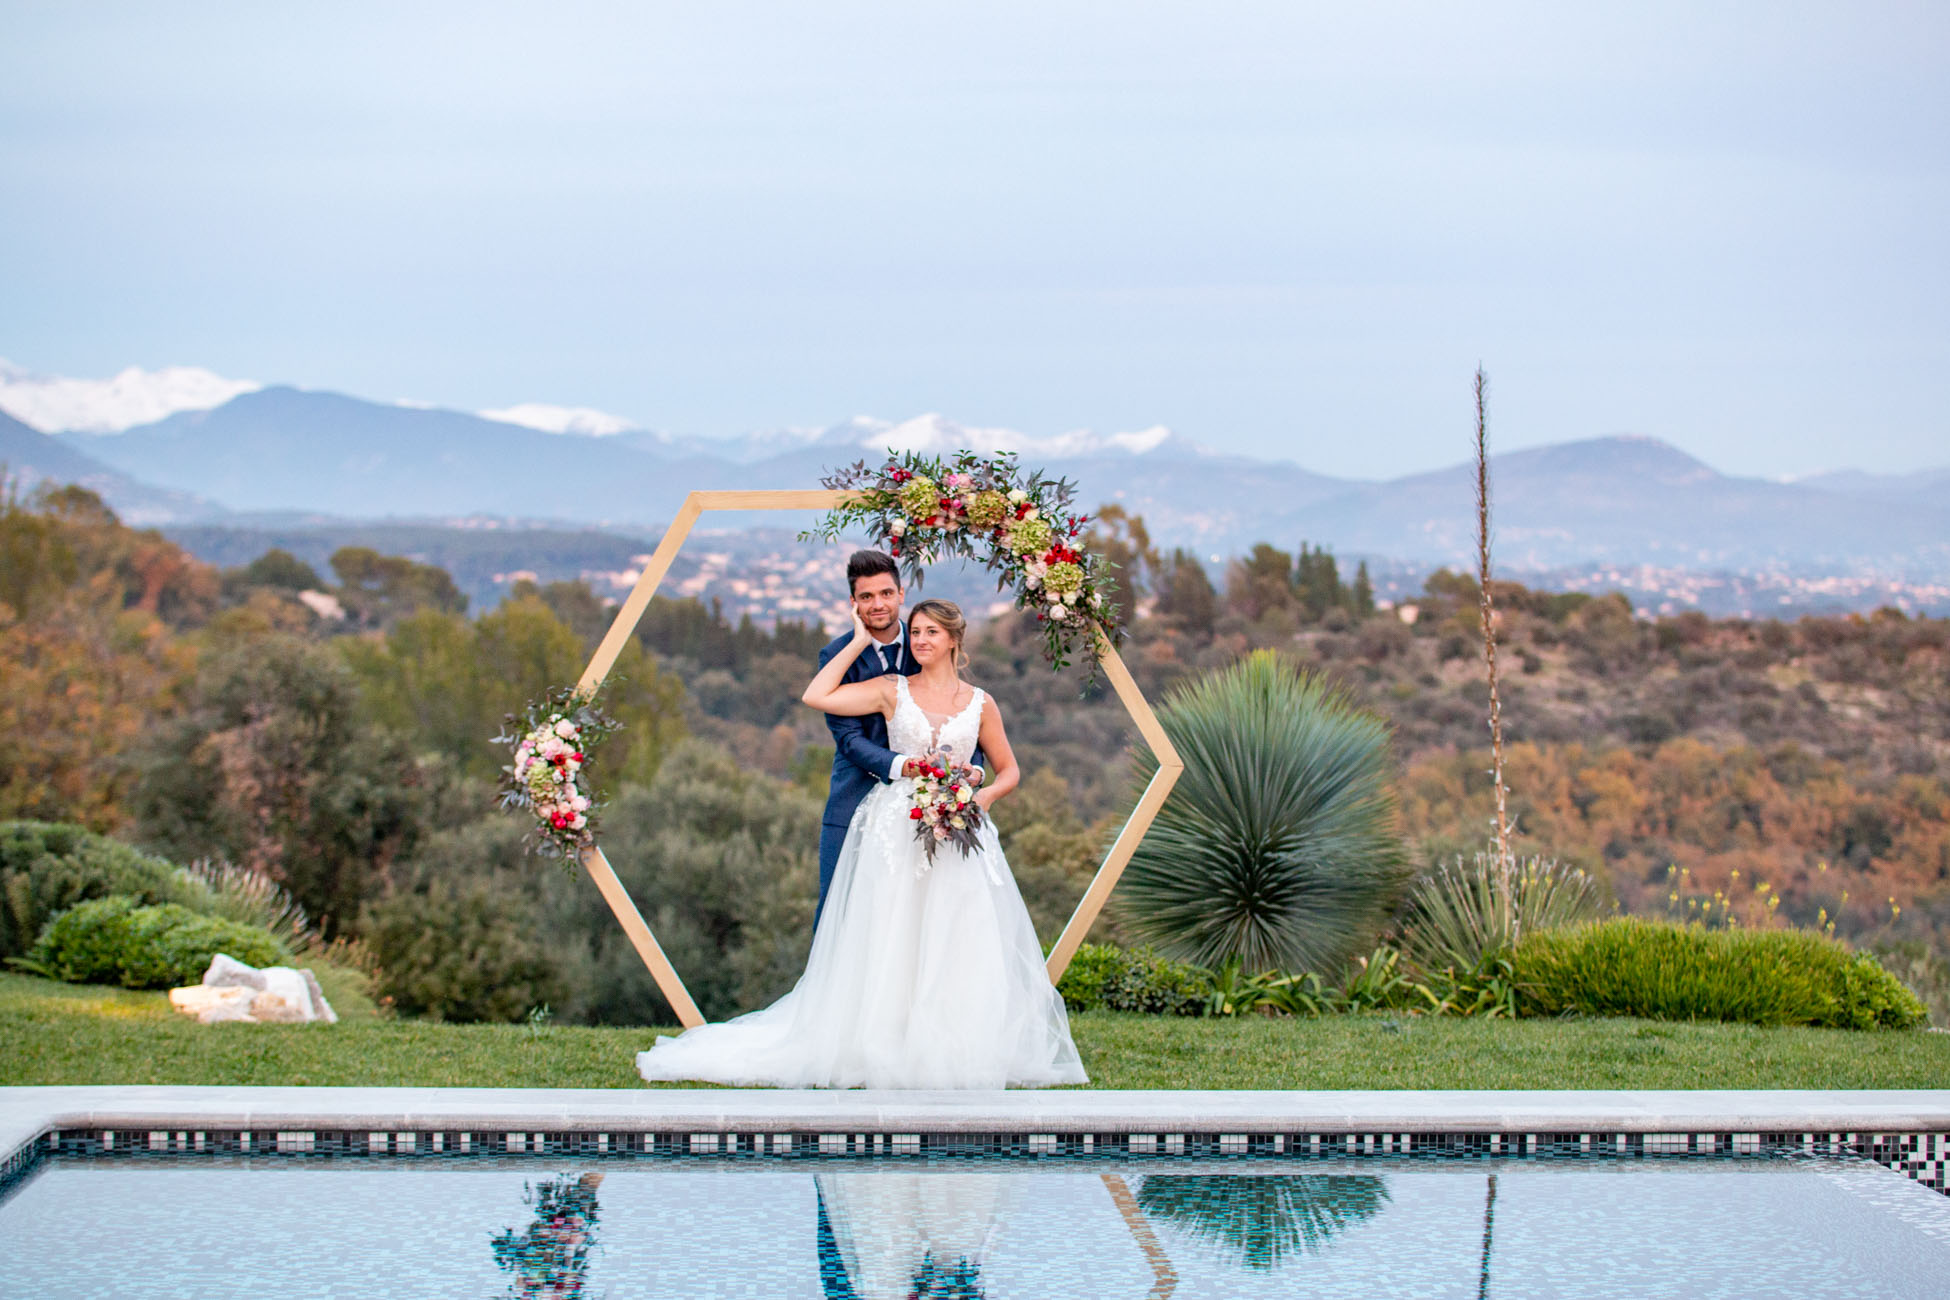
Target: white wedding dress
[920, 976]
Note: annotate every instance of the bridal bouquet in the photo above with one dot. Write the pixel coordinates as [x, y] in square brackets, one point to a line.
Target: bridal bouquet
[945, 811]
[549, 777]
[985, 509]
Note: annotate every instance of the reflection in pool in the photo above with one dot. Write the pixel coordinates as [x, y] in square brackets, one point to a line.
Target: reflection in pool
[1259, 1222]
[551, 1257]
[932, 1230]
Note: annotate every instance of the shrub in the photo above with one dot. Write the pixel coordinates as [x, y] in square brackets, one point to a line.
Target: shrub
[48, 867]
[1632, 967]
[1278, 847]
[463, 950]
[1460, 918]
[1103, 977]
[118, 940]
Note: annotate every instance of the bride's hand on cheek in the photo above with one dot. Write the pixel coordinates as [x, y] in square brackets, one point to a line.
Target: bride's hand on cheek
[860, 634]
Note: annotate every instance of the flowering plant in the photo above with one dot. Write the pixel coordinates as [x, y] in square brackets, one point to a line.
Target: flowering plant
[553, 739]
[985, 509]
[945, 811]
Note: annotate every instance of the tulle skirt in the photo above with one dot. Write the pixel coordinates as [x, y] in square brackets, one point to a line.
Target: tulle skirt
[920, 976]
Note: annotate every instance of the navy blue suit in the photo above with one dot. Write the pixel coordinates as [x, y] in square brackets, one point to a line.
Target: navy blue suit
[861, 758]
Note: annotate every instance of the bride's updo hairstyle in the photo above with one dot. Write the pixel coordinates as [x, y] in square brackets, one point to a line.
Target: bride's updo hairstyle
[948, 615]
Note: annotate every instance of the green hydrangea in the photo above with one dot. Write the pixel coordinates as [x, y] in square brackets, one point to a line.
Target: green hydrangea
[988, 509]
[919, 497]
[1028, 536]
[1064, 578]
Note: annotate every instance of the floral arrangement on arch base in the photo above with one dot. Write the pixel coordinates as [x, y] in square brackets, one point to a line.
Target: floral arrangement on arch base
[985, 509]
[553, 739]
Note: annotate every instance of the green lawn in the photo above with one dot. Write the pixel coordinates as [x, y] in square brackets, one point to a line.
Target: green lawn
[64, 1033]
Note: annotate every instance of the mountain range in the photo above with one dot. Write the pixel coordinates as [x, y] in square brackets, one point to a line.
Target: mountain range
[285, 454]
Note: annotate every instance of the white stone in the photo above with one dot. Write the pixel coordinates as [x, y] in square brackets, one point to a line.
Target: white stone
[227, 972]
[210, 1005]
[232, 990]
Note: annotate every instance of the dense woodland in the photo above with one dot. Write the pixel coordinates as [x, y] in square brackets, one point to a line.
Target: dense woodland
[1758, 772]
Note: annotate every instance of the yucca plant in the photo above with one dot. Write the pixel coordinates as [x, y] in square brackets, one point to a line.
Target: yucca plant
[250, 897]
[1279, 847]
[1463, 916]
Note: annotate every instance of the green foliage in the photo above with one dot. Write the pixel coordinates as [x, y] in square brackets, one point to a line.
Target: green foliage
[377, 589]
[1234, 993]
[449, 684]
[1102, 977]
[271, 768]
[117, 940]
[1278, 846]
[48, 867]
[1662, 971]
[1461, 917]
[279, 568]
[463, 949]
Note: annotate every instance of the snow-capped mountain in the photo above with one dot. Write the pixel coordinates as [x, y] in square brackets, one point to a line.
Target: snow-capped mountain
[931, 433]
[585, 420]
[56, 404]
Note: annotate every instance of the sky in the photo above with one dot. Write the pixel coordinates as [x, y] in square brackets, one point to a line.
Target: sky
[1282, 229]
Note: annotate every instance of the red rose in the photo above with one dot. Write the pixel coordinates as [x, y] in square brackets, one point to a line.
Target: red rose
[579, 758]
[915, 815]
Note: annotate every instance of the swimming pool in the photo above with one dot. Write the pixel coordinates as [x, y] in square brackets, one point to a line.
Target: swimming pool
[165, 1223]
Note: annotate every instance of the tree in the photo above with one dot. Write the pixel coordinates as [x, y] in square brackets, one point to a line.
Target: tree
[280, 568]
[448, 684]
[1122, 539]
[1317, 583]
[378, 589]
[270, 768]
[1360, 597]
[1186, 599]
[1261, 585]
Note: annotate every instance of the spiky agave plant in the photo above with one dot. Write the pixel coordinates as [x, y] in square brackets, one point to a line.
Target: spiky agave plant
[1279, 848]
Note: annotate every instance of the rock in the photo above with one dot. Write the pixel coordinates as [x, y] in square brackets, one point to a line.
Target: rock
[320, 1008]
[209, 1005]
[233, 991]
[228, 972]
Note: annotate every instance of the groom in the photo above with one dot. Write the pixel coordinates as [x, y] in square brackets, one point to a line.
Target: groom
[860, 754]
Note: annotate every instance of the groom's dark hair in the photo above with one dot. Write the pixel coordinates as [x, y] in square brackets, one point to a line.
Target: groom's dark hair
[867, 564]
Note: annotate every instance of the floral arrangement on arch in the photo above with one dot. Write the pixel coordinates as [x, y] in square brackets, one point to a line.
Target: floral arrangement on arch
[553, 739]
[985, 509]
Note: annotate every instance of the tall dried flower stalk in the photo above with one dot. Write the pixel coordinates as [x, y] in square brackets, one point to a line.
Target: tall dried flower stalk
[1505, 859]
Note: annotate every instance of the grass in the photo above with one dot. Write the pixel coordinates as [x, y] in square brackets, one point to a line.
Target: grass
[65, 1033]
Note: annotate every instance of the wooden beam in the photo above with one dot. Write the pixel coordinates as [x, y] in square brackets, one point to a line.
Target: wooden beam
[624, 624]
[645, 943]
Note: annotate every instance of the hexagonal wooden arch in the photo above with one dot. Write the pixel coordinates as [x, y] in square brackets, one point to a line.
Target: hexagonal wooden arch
[618, 898]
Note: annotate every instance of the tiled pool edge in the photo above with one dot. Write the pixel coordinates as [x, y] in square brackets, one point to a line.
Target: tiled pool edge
[1908, 1132]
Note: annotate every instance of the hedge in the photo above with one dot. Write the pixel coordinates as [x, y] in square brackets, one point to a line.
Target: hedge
[1661, 971]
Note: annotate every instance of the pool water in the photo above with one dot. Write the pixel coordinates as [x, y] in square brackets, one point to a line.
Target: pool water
[481, 1227]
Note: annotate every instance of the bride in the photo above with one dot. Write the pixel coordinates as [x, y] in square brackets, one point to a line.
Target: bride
[921, 975]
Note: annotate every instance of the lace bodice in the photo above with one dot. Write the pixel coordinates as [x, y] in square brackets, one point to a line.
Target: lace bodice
[912, 730]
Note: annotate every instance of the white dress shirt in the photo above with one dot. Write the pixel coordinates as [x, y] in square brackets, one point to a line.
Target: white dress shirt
[890, 653]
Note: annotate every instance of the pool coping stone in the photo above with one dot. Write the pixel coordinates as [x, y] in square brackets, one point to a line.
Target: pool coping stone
[28, 1113]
